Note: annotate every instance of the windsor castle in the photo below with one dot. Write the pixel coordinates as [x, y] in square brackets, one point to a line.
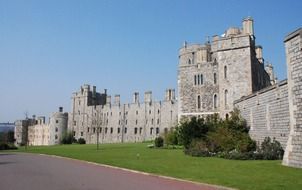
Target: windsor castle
[225, 72]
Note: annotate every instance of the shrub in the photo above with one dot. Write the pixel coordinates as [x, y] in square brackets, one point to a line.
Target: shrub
[271, 150]
[171, 138]
[81, 141]
[197, 148]
[159, 142]
[67, 138]
[192, 129]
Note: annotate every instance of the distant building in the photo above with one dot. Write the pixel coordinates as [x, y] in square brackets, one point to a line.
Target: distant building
[35, 131]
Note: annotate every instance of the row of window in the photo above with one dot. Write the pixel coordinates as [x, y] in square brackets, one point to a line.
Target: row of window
[136, 130]
[215, 100]
[120, 113]
[198, 79]
[119, 122]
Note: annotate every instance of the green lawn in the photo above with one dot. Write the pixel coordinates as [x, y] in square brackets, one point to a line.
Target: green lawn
[172, 162]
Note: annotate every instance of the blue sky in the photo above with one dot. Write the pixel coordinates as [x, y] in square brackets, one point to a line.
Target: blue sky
[48, 49]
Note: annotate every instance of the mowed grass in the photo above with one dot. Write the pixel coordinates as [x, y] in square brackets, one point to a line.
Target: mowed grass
[172, 162]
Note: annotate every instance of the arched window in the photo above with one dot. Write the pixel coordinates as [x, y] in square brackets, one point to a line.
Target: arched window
[215, 78]
[226, 98]
[195, 79]
[157, 130]
[198, 102]
[135, 130]
[201, 79]
[151, 130]
[215, 101]
[225, 72]
[189, 61]
[198, 79]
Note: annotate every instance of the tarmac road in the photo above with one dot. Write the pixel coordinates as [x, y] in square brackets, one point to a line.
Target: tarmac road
[41, 172]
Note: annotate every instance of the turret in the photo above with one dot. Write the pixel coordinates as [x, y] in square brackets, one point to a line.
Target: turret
[259, 56]
[248, 26]
[270, 71]
[170, 95]
[58, 126]
[136, 97]
[108, 100]
[117, 99]
[148, 96]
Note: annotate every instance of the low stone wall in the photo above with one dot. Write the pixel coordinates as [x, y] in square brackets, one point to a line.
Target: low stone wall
[267, 113]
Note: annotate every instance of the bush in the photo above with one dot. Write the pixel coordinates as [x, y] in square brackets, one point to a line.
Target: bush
[81, 141]
[192, 129]
[271, 150]
[197, 148]
[159, 142]
[68, 138]
[171, 138]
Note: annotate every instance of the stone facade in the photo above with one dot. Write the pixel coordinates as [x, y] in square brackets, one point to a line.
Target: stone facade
[35, 131]
[95, 117]
[267, 113]
[293, 47]
[213, 75]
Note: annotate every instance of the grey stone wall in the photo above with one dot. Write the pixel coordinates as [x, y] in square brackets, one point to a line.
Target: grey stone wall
[293, 47]
[115, 122]
[267, 113]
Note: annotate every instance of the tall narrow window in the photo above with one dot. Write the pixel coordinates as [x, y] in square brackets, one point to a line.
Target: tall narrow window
[198, 79]
[198, 102]
[215, 78]
[226, 98]
[225, 72]
[201, 79]
[215, 101]
[195, 79]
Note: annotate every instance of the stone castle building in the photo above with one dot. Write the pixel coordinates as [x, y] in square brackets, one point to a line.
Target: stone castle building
[95, 116]
[35, 131]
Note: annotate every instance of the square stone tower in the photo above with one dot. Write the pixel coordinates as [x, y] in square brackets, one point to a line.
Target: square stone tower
[293, 46]
[213, 75]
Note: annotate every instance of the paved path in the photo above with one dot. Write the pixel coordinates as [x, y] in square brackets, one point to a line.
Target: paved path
[40, 172]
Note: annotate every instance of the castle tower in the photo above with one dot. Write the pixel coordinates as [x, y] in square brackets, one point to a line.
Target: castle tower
[80, 115]
[293, 45]
[57, 126]
[212, 76]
